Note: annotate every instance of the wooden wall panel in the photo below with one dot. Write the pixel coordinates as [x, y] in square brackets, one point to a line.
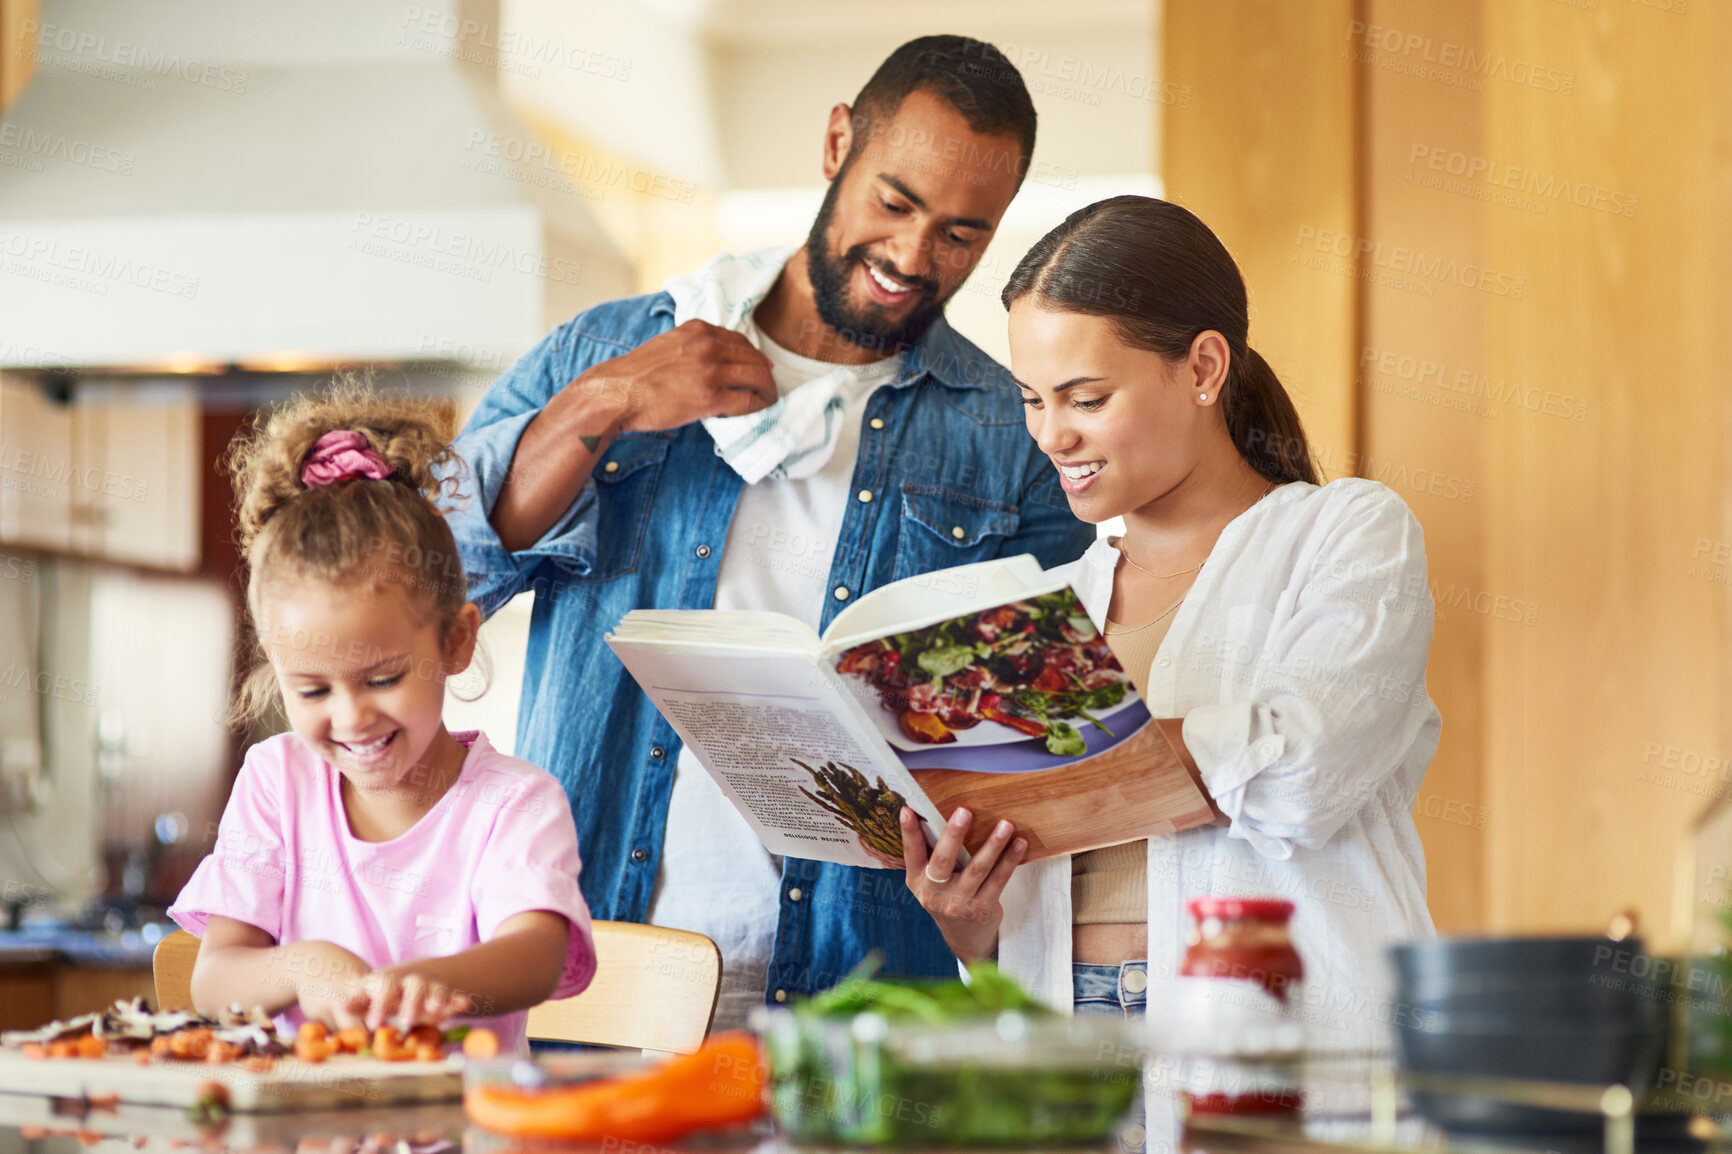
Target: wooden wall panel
[1422, 380]
[1538, 329]
[1263, 152]
[1626, 302]
[19, 20]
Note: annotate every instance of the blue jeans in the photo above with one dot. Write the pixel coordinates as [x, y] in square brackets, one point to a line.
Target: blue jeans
[1124, 990]
[1121, 989]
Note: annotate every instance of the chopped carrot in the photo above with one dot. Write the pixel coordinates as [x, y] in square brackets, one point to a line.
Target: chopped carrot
[313, 1031]
[481, 1043]
[63, 1049]
[352, 1039]
[90, 1046]
[35, 1050]
[89, 1138]
[426, 1036]
[428, 1053]
[103, 1101]
[311, 1049]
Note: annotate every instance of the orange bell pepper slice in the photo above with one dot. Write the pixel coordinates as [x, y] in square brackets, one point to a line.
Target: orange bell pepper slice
[720, 1085]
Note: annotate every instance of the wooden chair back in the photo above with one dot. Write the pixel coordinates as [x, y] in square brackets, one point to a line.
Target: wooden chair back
[654, 989]
[171, 965]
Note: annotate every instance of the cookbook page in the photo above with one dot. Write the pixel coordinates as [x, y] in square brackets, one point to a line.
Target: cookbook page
[788, 748]
[1022, 712]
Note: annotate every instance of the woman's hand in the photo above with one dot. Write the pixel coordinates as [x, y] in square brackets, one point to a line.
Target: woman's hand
[328, 980]
[963, 902]
[399, 996]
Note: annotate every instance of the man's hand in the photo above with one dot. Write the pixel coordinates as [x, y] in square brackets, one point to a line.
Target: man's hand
[689, 373]
[686, 374]
[965, 902]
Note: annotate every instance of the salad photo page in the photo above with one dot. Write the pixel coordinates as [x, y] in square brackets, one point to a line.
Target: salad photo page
[984, 686]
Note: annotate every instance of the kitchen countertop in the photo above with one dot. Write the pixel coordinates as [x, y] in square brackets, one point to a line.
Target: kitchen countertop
[1334, 1124]
[130, 949]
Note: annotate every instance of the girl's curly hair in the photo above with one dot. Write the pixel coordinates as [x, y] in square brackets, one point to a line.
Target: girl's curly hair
[357, 531]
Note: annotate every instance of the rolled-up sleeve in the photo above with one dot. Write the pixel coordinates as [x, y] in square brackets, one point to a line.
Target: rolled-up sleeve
[1338, 693]
[488, 447]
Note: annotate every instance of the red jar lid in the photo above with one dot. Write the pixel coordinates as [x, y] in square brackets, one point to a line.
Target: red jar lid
[1237, 909]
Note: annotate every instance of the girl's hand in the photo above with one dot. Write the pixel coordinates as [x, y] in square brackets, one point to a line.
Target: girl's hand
[399, 996]
[964, 903]
[327, 979]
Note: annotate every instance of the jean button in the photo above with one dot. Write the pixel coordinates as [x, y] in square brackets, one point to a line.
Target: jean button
[1135, 981]
[640, 855]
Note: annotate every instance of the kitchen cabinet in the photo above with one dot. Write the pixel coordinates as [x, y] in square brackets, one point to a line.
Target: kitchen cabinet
[35, 452]
[113, 475]
[38, 988]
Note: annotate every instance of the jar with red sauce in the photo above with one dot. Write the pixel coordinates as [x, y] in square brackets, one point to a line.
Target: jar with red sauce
[1236, 1006]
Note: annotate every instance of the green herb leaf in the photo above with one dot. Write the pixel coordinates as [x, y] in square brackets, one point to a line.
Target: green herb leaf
[947, 659]
[1063, 740]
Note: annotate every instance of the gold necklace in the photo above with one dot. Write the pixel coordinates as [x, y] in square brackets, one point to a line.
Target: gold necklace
[1161, 576]
[1120, 632]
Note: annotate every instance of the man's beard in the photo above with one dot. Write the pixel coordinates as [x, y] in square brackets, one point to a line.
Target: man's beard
[865, 327]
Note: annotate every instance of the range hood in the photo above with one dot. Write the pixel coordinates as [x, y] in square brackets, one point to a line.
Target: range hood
[249, 182]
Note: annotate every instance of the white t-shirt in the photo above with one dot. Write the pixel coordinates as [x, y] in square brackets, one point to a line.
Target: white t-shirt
[716, 877]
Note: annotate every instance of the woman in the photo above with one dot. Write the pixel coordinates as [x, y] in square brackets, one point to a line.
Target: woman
[1280, 627]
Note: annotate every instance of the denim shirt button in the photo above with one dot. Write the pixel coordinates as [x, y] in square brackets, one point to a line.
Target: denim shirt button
[657, 752]
[877, 422]
[865, 496]
[702, 551]
[640, 855]
[781, 995]
[611, 467]
[959, 532]
[794, 894]
[841, 592]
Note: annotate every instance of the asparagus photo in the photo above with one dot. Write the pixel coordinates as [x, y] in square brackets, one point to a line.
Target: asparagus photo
[870, 811]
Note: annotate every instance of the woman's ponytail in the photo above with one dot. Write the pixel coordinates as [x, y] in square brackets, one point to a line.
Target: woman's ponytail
[1162, 277]
[1263, 422]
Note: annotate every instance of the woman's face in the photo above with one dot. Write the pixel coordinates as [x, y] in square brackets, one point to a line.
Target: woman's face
[1122, 425]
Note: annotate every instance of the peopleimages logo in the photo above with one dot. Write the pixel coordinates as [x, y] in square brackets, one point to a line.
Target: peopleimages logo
[1454, 62]
[84, 47]
[1400, 259]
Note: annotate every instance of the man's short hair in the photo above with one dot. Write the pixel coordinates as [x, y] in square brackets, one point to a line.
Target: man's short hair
[970, 75]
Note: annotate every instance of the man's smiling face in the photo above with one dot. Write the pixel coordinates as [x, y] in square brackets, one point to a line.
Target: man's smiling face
[914, 199]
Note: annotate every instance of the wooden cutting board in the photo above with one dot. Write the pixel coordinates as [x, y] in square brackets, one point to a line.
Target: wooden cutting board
[167, 1129]
[342, 1081]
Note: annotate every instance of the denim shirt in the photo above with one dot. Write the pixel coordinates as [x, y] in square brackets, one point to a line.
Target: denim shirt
[954, 478]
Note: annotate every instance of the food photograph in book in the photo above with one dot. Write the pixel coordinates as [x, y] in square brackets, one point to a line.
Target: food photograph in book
[1022, 712]
[1026, 685]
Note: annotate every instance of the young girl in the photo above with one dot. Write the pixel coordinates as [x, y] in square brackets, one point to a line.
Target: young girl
[371, 866]
[1278, 628]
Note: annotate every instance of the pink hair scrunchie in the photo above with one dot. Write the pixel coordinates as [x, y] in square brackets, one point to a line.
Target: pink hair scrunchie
[340, 455]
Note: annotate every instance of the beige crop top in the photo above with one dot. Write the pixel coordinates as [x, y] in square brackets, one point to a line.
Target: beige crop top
[1110, 886]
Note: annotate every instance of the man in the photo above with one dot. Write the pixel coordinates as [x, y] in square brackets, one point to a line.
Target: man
[614, 471]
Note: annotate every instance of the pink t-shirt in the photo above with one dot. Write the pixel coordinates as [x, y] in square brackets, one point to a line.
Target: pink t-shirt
[500, 842]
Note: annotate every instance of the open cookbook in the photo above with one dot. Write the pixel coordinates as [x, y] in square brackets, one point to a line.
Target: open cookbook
[983, 686]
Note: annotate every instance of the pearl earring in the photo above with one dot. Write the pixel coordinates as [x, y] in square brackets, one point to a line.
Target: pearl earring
[1202, 396]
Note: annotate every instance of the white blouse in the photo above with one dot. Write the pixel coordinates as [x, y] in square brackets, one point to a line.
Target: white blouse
[1297, 662]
